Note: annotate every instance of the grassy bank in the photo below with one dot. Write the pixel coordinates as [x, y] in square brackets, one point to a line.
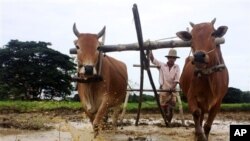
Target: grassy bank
[32, 106]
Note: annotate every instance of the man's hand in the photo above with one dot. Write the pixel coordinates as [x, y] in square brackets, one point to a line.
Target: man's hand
[172, 89]
[151, 56]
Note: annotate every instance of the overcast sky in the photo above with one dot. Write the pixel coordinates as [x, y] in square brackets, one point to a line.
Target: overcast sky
[52, 21]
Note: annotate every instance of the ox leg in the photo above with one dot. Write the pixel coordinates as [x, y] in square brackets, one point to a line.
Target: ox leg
[201, 118]
[197, 115]
[210, 119]
[98, 117]
[106, 117]
[90, 116]
[115, 115]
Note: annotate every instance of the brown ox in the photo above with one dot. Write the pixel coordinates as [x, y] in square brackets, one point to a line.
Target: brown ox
[204, 79]
[105, 79]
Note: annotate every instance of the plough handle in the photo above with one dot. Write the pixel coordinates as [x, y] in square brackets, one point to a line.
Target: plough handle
[144, 65]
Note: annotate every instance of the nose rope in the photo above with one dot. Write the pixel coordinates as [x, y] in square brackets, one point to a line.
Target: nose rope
[207, 71]
[191, 51]
[211, 51]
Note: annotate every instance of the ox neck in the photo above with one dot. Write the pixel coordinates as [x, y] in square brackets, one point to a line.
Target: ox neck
[201, 72]
[99, 63]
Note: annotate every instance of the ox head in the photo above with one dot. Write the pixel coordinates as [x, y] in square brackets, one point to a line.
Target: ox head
[87, 53]
[202, 37]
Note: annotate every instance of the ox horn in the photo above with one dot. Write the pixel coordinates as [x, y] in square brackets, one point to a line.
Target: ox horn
[192, 24]
[101, 32]
[213, 21]
[76, 32]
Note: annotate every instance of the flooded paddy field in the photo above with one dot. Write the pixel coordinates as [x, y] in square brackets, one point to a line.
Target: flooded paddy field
[74, 126]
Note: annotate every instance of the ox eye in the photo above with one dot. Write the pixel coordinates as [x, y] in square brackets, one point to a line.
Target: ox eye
[77, 47]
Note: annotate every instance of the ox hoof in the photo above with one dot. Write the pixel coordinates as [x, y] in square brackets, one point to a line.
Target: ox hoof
[201, 137]
[95, 134]
[96, 131]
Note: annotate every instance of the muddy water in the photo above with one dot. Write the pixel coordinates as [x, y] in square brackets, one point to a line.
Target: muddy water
[82, 131]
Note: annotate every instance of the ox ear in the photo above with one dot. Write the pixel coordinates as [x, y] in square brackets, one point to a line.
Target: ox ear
[102, 32]
[220, 32]
[184, 35]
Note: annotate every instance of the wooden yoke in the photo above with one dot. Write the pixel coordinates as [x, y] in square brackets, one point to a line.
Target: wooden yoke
[148, 45]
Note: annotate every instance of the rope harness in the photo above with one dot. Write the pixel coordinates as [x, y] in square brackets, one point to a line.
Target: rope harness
[207, 71]
[198, 72]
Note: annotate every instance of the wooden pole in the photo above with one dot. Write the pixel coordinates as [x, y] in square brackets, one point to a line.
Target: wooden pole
[142, 57]
[150, 90]
[151, 66]
[151, 45]
[148, 45]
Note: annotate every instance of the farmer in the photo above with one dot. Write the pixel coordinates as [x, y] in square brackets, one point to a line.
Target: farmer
[169, 74]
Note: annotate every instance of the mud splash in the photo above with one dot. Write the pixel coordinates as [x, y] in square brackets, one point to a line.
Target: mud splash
[151, 128]
[82, 131]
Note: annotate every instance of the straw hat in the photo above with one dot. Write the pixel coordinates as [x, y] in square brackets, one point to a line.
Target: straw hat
[172, 53]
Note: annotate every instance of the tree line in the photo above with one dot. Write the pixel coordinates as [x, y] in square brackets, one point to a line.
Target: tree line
[29, 69]
[233, 95]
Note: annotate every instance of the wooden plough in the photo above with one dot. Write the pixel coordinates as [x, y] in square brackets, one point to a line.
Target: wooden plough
[144, 48]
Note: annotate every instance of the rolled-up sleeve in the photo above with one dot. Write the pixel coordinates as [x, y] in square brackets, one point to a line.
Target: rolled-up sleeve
[161, 71]
[177, 74]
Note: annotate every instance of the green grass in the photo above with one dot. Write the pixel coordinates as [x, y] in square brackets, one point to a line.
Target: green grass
[236, 107]
[150, 105]
[145, 105]
[30, 106]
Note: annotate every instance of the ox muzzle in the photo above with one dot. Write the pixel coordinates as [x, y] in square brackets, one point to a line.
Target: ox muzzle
[87, 74]
[200, 59]
[87, 70]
